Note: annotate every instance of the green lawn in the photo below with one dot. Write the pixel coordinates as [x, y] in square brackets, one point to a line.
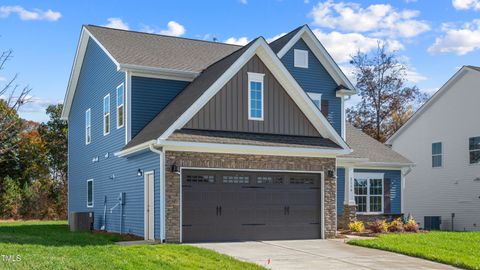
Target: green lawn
[50, 245]
[461, 249]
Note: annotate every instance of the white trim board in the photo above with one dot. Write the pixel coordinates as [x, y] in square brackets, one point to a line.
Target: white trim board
[322, 191]
[273, 63]
[321, 53]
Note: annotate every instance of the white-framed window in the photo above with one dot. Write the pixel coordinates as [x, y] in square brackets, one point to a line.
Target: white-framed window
[474, 150]
[255, 96]
[368, 191]
[120, 106]
[106, 115]
[88, 126]
[90, 193]
[316, 98]
[437, 155]
[300, 58]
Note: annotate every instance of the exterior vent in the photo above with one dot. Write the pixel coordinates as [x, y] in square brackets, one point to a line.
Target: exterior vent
[81, 221]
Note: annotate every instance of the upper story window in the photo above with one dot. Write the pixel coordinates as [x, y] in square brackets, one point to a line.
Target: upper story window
[300, 58]
[317, 99]
[106, 115]
[437, 155]
[255, 96]
[90, 193]
[120, 106]
[88, 126]
[368, 191]
[474, 148]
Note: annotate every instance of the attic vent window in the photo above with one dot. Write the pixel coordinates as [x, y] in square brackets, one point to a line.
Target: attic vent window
[300, 58]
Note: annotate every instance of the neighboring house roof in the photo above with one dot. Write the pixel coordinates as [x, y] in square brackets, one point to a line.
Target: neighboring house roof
[185, 99]
[448, 85]
[159, 51]
[243, 138]
[365, 147]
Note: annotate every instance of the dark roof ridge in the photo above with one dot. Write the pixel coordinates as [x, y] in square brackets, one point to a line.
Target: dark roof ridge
[167, 36]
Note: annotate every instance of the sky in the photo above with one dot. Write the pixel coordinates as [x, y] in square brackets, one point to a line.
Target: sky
[433, 38]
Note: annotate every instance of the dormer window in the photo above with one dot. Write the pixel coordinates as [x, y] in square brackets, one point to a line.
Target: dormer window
[300, 58]
[317, 99]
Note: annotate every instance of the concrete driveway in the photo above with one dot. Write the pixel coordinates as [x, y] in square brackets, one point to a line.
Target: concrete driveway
[318, 254]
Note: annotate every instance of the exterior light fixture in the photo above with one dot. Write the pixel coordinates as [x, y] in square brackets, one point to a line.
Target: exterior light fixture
[140, 172]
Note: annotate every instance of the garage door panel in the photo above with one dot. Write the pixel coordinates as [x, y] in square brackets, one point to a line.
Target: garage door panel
[254, 206]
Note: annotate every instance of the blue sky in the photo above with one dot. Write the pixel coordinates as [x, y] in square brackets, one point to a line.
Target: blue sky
[433, 38]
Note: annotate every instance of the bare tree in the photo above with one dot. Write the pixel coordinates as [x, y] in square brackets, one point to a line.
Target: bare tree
[12, 97]
[386, 102]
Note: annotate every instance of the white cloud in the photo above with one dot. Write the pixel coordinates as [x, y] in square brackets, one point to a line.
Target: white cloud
[466, 4]
[2, 79]
[458, 40]
[410, 1]
[117, 23]
[174, 29]
[413, 76]
[275, 37]
[381, 19]
[29, 15]
[37, 104]
[237, 41]
[342, 46]
[243, 2]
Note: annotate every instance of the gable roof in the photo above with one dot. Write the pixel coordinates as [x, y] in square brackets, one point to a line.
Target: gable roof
[448, 85]
[210, 81]
[185, 99]
[282, 45]
[130, 50]
[366, 147]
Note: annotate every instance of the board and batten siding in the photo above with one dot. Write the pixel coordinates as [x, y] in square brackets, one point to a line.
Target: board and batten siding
[395, 177]
[149, 97]
[315, 79]
[228, 109]
[112, 175]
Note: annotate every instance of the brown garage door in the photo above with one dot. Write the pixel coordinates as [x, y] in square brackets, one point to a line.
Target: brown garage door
[237, 206]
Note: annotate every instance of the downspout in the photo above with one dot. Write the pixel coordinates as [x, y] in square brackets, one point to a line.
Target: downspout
[161, 153]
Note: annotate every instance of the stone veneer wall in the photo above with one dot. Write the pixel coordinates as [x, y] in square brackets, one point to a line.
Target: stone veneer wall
[236, 161]
[349, 215]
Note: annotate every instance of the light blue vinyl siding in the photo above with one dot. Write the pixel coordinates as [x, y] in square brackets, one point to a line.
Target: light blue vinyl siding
[149, 97]
[111, 175]
[395, 189]
[315, 79]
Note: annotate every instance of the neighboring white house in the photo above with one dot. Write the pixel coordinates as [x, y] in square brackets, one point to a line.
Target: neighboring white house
[443, 139]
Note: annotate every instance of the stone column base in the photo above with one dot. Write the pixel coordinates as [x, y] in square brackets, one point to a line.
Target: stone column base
[349, 215]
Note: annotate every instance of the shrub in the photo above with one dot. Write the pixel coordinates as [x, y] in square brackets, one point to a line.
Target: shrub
[378, 226]
[411, 225]
[356, 226]
[395, 225]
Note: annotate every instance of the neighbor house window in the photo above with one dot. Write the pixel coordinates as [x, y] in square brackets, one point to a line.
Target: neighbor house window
[120, 106]
[474, 147]
[88, 126]
[300, 58]
[106, 115]
[437, 153]
[90, 193]
[368, 190]
[255, 96]
[317, 99]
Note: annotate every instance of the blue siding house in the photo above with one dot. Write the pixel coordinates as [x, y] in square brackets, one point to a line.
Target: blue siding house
[142, 167]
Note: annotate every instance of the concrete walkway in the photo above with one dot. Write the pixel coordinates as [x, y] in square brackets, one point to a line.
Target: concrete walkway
[318, 254]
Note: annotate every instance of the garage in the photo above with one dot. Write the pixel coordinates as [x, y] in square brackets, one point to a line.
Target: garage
[220, 205]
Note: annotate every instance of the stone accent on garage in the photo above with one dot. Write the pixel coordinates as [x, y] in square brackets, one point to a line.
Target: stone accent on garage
[349, 215]
[236, 161]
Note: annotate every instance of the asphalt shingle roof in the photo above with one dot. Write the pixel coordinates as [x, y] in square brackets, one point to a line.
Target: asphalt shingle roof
[279, 43]
[364, 146]
[242, 138]
[159, 51]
